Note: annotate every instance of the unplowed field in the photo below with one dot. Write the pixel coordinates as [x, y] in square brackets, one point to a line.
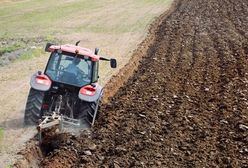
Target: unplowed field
[185, 106]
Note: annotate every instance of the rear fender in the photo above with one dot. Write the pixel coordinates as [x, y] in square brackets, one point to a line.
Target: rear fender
[90, 94]
[40, 82]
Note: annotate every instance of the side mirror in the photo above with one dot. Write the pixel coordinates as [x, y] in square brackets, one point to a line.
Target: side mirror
[47, 46]
[96, 51]
[113, 63]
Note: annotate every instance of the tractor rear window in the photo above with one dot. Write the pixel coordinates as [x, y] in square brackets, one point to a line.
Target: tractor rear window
[69, 70]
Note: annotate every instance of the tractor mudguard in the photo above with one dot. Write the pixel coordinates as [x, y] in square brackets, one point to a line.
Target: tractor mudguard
[90, 93]
[40, 82]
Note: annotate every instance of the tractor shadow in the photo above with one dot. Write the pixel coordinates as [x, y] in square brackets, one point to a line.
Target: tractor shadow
[12, 124]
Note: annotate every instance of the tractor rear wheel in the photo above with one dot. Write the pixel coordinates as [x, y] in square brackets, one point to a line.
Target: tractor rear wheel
[33, 110]
[86, 114]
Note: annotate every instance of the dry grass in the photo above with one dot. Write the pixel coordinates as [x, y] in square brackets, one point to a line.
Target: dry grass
[35, 18]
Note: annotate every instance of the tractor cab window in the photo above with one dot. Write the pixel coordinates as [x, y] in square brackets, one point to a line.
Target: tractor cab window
[95, 71]
[69, 69]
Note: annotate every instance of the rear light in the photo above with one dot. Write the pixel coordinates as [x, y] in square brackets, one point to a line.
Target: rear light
[88, 90]
[43, 80]
[45, 106]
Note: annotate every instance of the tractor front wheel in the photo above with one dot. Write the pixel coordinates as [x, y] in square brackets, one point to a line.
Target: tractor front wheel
[33, 110]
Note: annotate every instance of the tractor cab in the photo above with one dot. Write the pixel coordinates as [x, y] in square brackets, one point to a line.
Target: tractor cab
[72, 69]
[72, 65]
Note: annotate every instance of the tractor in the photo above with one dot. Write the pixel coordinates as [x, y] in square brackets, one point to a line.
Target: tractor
[68, 88]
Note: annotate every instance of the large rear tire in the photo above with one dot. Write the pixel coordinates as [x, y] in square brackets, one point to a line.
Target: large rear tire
[33, 110]
[87, 111]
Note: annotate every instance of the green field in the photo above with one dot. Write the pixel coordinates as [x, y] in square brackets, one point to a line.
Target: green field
[51, 18]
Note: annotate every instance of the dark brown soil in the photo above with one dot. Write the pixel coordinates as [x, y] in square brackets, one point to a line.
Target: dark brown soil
[185, 106]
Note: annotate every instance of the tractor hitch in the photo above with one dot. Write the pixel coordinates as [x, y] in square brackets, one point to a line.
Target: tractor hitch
[53, 121]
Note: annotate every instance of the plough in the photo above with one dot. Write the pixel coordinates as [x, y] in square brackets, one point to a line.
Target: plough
[55, 120]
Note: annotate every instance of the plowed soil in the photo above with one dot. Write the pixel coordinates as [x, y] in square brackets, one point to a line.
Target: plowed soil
[185, 106]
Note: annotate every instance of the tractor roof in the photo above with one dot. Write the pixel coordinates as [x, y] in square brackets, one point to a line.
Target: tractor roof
[75, 49]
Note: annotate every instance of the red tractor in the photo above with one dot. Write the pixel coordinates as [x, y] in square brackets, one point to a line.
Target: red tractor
[68, 87]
